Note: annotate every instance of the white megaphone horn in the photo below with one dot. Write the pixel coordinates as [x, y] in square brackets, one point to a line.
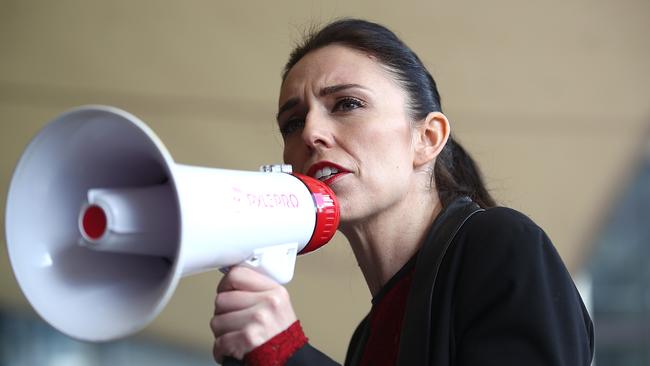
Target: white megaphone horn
[101, 223]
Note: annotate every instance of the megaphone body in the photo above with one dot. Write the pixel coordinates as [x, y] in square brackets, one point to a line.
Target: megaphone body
[101, 223]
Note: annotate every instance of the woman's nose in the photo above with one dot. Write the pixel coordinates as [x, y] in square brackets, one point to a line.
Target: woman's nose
[317, 132]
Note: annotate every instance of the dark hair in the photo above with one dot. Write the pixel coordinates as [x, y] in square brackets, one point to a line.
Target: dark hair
[455, 172]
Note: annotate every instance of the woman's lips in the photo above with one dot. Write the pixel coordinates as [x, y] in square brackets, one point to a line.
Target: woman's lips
[326, 172]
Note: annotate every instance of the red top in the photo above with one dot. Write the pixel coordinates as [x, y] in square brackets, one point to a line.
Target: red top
[386, 317]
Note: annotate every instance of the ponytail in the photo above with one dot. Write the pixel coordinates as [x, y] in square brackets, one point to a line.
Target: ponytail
[457, 174]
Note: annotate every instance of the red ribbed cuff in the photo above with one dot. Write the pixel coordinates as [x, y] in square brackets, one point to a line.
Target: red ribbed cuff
[277, 350]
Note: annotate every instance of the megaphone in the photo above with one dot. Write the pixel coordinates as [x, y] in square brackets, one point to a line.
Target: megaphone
[101, 223]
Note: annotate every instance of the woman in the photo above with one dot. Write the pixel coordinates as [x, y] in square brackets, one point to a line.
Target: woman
[454, 279]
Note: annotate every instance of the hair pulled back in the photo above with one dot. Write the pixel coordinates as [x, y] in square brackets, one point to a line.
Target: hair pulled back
[455, 172]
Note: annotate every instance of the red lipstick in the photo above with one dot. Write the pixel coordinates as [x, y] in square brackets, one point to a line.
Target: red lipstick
[326, 171]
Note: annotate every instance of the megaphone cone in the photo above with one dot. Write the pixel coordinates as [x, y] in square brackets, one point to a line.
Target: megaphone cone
[101, 223]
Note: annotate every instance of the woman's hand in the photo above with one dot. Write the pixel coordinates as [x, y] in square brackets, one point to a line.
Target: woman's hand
[249, 309]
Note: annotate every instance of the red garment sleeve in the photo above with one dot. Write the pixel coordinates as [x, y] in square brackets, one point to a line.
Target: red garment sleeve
[277, 350]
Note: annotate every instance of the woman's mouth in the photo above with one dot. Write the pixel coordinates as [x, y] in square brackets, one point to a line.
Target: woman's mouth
[326, 172]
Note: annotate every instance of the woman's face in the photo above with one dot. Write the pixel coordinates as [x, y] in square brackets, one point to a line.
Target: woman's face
[344, 121]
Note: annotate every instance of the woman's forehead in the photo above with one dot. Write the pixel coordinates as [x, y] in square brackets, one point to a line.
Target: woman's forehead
[333, 65]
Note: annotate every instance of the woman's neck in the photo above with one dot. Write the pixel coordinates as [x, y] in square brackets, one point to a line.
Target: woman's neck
[382, 244]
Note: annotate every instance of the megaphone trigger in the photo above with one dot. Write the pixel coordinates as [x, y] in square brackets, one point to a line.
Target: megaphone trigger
[276, 261]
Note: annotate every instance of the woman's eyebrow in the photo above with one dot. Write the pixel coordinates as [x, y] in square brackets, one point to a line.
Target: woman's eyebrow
[323, 92]
[336, 88]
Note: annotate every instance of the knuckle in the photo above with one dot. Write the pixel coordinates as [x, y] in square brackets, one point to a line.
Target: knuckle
[260, 316]
[274, 301]
[282, 292]
[251, 338]
[277, 297]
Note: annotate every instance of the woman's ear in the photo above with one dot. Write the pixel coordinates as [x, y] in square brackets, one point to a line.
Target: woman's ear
[429, 138]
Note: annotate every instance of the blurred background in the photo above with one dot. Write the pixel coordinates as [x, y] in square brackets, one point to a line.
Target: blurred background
[551, 98]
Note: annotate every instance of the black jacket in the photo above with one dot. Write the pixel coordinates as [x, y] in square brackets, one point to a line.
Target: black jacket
[502, 296]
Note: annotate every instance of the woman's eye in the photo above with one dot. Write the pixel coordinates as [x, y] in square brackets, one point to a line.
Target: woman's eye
[347, 104]
[292, 126]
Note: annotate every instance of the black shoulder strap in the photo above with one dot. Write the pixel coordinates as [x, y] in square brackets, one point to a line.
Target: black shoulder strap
[414, 339]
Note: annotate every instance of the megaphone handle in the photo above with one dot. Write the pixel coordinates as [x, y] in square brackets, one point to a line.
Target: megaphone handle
[277, 262]
[229, 361]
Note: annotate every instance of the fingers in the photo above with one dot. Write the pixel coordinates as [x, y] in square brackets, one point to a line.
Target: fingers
[270, 310]
[225, 347]
[250, 309]
[235, 300]
[235, 320]
[218, 352]
[243, 288]
[234, 337]
[243, 278]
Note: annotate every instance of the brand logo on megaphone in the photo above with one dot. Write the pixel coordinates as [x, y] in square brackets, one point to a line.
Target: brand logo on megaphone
[261, 199]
